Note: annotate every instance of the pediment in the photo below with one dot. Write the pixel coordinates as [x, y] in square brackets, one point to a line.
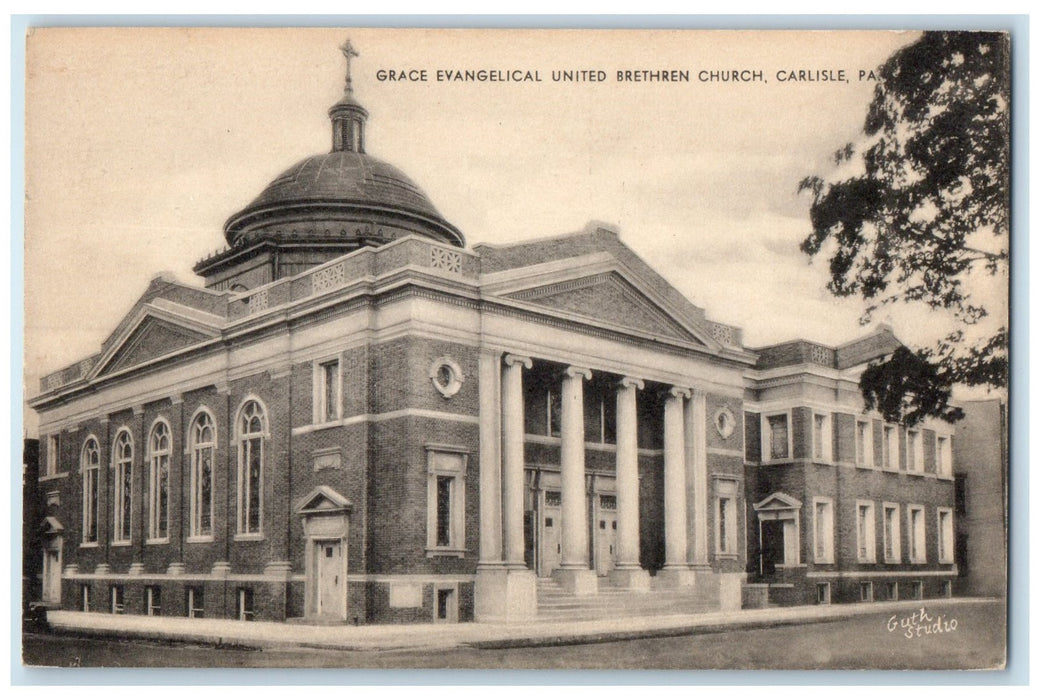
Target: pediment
[151, 338]
[323, 500]
[51, 526]
[609, 297]
[778, 501]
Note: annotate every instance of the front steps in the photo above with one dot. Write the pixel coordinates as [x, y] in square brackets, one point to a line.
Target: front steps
[555, 604]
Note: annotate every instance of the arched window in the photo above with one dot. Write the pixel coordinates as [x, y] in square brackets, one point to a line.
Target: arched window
[90, 466]
[203, 443]
[252, 431]
[159, 482]
[123, 460]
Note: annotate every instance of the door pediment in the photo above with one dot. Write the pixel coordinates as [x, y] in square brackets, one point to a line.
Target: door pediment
[778, 501]
[323, 500]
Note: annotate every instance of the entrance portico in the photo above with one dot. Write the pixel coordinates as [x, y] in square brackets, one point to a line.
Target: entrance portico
[570, 545]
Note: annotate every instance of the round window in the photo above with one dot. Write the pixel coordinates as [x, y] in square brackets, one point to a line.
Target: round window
[725, 422]
[446, 376]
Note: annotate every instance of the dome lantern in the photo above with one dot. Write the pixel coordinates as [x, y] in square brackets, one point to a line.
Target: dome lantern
[348, 116]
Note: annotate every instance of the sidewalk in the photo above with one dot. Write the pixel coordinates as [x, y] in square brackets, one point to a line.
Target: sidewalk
[269, 635]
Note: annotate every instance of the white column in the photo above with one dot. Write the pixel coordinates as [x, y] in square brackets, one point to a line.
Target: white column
[675, 480]
[627, 474]
[513, 459]
[627, 573]
[697, 464]
[574, 514]
[490, 554]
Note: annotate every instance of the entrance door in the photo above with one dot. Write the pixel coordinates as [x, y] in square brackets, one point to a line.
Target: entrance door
[550, 543]
[605, 534]
[52, 575]
[772, 545]
[331, 583]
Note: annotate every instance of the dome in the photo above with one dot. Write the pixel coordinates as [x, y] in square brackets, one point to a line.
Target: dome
[341, 187]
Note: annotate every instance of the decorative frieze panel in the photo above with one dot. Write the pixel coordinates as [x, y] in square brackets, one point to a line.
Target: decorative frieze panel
[258, 301]
[821, 356]
[327, 459]
[724, 335]
[328, 278]
[444, 259]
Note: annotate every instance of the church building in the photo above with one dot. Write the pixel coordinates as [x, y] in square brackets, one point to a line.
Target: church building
[356, 417]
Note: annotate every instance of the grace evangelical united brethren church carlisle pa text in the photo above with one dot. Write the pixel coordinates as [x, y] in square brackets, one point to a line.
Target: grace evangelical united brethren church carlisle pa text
[357, 417]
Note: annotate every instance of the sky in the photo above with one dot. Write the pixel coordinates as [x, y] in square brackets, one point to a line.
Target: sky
[141, 143]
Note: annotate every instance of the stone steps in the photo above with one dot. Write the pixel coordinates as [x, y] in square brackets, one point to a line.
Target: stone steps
[556, 604]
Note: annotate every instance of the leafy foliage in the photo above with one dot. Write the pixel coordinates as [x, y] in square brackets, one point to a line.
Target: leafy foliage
[927, 209]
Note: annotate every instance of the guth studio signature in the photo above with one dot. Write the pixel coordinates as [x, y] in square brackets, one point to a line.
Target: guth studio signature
[921, 623]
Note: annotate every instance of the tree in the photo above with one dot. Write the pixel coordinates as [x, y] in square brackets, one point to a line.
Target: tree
[925, 213]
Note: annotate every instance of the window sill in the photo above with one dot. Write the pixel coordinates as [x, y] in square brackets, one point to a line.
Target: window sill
[120, 543]
[249, 537]
[918, 561]
[870, 467]
[89, 545]
[198, 539]
[445, 552]
[824, 562]
[158, 540]
[894, 561]
[52, 477]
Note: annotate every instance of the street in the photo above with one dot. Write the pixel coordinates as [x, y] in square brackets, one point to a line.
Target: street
[967, 636]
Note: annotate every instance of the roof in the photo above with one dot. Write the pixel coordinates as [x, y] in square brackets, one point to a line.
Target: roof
[339, 181]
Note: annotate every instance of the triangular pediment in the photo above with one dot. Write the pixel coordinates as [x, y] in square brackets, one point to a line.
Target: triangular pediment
[609, 297]
[323, 499]
[51, 526]
[778, 501]
[152, 337]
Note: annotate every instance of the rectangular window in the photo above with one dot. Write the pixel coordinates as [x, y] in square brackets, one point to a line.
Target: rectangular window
[866, 591]
[553, 412]
[152, 600]
[84, 597]
[249, 489]
[244, 605]
[865, 548]
[945, 534]
[821, 437]
[444, 488]
[52, 455]
[328, 391]
[943, 456]
[823, 531]
[194, 602]
[726, 516]
[446, 502]
[960, 494]
[864, 444]
[915, 516]
[914, 452]
[117, 600]
[823, 593]
[946, 589]
[604, 421]
[90, 504]
[916, 590]
[890, 448]
[778, 436]
[890, 528]
[892, 591]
